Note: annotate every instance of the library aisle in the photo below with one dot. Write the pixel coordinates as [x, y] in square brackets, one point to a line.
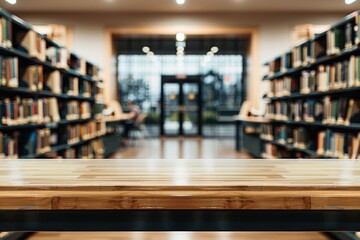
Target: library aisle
[117, 114]
[185, 148]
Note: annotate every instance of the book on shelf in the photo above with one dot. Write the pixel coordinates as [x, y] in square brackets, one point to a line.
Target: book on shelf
[9, 146]
[53, 82]
[73, 134]
[85, 110]
[69, 153]
[92, 71]
[350, 34]
[88, 130]
[35, 142]
[326, 110]
[338, 144]
[5, 33]
[73, 87]
[32, 43]
[318, 48]
[9, 71]
[100, 128]
[98, 148]
[33, 78]
[271, 151]
[77, 64]
[86, 152]
[85, 89]
[58, 57]
[21, 111]
[308, 82]
[335, 41]
[73, 110]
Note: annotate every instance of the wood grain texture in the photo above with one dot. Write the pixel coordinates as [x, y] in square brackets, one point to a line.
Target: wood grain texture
[177, 236]
[180, 184]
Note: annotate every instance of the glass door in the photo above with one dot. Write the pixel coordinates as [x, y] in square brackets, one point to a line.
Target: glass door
[190, 108]
[180, 107]
[170, 109]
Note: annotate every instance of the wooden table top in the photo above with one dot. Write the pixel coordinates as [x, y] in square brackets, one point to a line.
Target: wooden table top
[180, 184]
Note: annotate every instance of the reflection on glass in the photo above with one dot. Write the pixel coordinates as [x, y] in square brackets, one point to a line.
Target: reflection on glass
[171, 108]
[191, 107]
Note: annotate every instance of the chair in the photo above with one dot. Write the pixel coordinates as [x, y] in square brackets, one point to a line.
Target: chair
[139, 130]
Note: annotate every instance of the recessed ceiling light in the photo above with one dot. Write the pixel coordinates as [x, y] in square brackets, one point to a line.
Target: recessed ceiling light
[150, 54]
[11, 1]
[146, 49]
[180, 37]
[180, 49]
[214, 49]
[180, 2]
[350, 1]
[210, 54]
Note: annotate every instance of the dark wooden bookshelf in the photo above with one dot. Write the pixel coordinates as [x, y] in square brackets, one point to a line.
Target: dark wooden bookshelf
[344, 36]
[293, 148]
[26, 60]
[323, 60]
[59, 148]
[318, 94]
[351, 127]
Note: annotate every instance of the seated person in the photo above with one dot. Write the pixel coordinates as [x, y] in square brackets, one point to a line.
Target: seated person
[133, 117]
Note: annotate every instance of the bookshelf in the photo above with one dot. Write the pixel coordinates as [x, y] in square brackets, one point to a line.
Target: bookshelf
[51, 99]
[313, 101]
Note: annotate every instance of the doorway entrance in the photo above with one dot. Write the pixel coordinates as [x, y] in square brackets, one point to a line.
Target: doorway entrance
[181, 106]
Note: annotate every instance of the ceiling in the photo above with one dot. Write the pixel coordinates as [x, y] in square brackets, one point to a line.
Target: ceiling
[189, 6]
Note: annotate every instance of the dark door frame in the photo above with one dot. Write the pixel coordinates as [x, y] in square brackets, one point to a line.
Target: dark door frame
[176, 80]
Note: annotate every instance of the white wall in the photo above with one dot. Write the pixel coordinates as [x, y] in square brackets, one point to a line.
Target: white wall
[274, 28]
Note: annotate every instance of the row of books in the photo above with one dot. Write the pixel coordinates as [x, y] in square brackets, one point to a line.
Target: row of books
[88, 151]
[8, 146]
[31, 43]
[58, 57]
[339, 75]
[36, 46]
[77, 64]
[35, 142]
[332, 42]
[38, 142]
[326, 110]
[5, 33]
[271, 151]
[9, 71]
[338, 145]
[298, 137]
[325, 143]
[92, 129]
[283, 87]
[75, 133]
[77, 110]
[20, 111]
[68, 85]
[33, 77]
[341, 38]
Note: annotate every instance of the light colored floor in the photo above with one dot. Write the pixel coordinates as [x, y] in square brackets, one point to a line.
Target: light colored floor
[178, 236]
[181, 148]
